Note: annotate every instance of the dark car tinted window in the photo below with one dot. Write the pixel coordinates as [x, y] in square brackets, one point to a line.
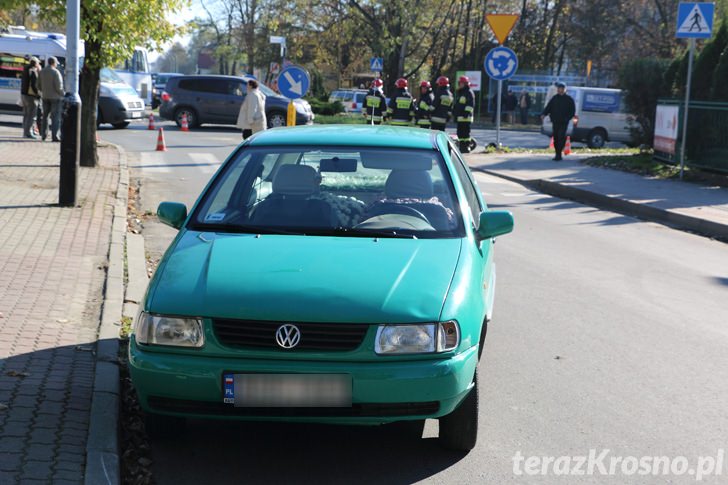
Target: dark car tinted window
[206, 85]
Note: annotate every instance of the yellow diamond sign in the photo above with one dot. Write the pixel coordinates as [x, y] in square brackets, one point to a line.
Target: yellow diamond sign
[501, 24]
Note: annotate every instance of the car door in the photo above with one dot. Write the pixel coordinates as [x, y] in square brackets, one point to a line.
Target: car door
[212, 99]
[236, 90]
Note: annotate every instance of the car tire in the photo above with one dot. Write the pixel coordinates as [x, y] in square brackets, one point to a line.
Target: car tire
[192, 118]
[276, 119]
[120, 126]
[481, 343]
[597, 138]
[459, 429]
[410, 428]
[164, 427]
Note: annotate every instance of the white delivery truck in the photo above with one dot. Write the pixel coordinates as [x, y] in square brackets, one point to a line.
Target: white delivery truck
[118, 102]
[600, 117]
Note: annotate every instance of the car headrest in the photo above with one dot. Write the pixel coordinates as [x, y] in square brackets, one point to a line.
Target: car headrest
[295, 180]
[404, 184]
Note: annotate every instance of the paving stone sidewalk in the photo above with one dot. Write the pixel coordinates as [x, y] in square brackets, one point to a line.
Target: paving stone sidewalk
[52, 272]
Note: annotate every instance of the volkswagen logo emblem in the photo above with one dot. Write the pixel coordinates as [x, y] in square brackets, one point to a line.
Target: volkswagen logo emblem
[288, 336]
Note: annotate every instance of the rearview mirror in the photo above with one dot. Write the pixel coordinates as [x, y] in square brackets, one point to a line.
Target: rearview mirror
[172, 213]
[494, 223]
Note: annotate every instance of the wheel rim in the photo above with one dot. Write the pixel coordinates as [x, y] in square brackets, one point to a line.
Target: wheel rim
[190, 117]
[277, 120]
[597, 140]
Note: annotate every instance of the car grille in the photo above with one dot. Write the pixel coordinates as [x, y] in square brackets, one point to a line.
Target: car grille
[314, 336]
[134, 104]
[169, 405]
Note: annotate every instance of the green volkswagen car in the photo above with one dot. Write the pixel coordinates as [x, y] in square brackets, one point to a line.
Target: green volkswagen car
[330, 274]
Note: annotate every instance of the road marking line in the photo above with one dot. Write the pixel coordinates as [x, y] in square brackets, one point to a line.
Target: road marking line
[205, 162]
[152, 162]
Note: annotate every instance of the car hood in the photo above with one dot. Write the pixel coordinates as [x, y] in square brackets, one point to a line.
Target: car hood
[305, 278]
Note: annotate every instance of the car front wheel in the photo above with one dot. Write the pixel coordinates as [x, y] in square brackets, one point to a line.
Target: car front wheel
[276, 119]
[459, 429]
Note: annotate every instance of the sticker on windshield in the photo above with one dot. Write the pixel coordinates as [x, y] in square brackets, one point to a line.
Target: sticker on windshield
[216, 217]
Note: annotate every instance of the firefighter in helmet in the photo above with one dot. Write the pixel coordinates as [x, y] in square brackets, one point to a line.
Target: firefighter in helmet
[463, 112]
[442, 104]
[424, 106]
[375, 105]
[401, 106]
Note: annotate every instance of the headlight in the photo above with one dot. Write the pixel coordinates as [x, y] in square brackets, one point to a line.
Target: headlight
[175, 331]
[417, 339]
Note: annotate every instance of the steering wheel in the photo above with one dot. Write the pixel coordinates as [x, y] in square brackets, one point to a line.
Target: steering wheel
[393, 208]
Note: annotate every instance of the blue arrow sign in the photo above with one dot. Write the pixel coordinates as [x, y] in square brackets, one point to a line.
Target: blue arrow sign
[501, 63]
[376, 64]
[695, 20]
[293, 82]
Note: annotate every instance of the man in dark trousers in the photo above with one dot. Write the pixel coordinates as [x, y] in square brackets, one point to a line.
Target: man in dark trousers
[442, 106]
[561, 109]
[376, 104]
[401, 108]
[463, 113]
[424, 107]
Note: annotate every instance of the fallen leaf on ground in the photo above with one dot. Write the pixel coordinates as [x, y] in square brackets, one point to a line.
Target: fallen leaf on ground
[14, 373]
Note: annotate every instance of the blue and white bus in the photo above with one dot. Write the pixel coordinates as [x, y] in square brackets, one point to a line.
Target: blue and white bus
[136, 73]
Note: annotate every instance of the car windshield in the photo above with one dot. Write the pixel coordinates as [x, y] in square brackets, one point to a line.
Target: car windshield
[266, 90]
[108, 75]
[342, 191]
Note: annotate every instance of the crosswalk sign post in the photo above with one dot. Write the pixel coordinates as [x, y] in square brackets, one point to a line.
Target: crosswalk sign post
[694, 21]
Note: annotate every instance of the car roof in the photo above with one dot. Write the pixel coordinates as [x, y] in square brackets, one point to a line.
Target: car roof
[347, 135]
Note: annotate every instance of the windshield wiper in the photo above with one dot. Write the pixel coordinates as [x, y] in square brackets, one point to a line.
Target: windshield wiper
[242, 229]
[358, 232]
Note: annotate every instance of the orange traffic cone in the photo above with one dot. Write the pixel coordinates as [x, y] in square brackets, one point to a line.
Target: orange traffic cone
[185, 126]
[567, 147]
[161, 146]
[151, 122]
[551, 145]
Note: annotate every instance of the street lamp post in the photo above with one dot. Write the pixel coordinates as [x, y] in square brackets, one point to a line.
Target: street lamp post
[71, 121]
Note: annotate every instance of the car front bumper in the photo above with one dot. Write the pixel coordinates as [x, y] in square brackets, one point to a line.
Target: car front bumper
[191, 386]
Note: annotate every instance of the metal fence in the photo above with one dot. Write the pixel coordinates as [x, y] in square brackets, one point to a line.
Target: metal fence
[707, 135]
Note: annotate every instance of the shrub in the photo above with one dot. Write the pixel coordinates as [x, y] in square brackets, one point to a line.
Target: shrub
[644, 82]
[320, 107]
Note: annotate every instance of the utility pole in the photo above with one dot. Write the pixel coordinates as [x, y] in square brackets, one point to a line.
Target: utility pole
[71, 121]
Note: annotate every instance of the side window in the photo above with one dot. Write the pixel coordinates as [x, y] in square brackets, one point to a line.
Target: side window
[236, 88]
[189, 84]
[217, 86]
[469, 186]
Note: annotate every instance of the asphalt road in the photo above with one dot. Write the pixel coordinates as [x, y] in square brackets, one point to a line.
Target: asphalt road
[609, 334]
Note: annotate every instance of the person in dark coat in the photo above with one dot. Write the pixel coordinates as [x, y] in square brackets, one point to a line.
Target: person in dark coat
[375, 105]
[424, 107]
[561, 109]
[463, 113]
[524, 104]
[30, 95]
[401, 109]
[510, 105]
[442, 105]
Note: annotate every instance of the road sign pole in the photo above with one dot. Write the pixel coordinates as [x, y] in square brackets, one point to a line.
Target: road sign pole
[683, 142]
[498, 114]
[71, 116]
[291, 115]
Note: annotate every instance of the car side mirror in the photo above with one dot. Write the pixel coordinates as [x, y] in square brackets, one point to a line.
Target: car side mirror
[172, 213]
[494, 223]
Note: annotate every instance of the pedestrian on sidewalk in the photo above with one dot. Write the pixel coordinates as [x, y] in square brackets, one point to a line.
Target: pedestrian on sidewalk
[511, 103]
[561, 109]
[251, 118]
[51, 87]
[30, 94]
[524, 104]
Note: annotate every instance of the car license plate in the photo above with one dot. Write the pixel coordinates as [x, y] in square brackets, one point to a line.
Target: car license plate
[136, 114]
[287, 390]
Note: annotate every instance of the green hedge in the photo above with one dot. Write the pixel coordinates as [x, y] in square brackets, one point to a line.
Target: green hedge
[325, 108]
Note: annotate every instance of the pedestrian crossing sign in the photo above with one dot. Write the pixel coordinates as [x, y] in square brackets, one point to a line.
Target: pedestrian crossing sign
[695, 20]
[376, 64]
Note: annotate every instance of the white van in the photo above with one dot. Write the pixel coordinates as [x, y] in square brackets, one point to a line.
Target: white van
[601, 117]
[118, 102]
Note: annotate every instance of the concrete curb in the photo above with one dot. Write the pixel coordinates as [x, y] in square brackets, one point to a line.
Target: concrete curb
[646, 212]
[102, 446]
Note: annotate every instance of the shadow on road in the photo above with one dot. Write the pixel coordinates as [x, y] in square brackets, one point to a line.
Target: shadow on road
[238, 452]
